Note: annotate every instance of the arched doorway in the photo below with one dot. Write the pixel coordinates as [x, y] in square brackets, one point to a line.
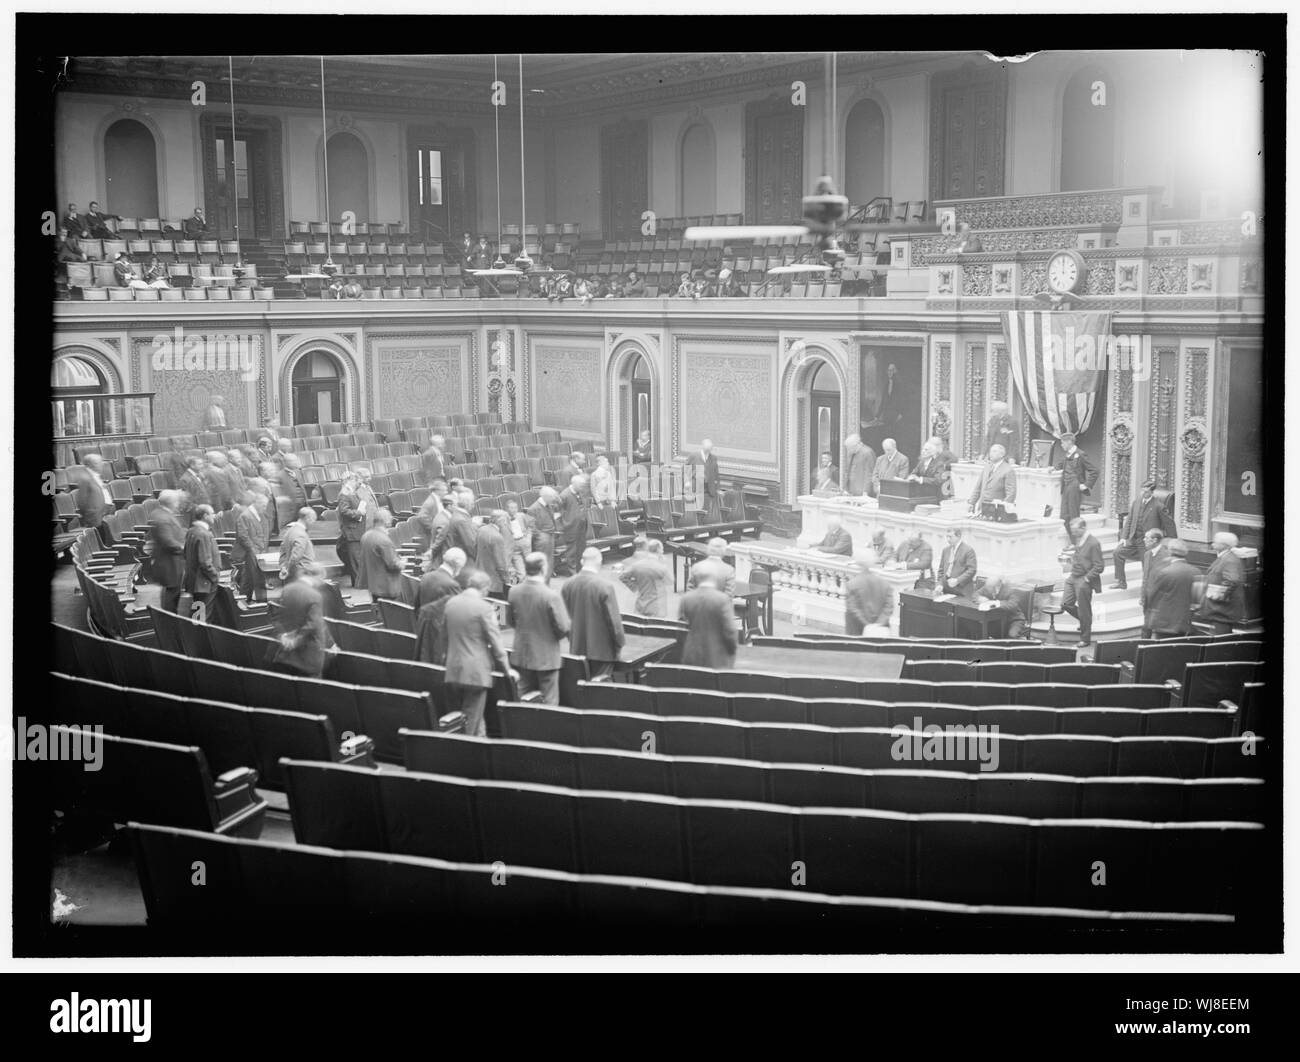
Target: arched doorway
[130, 170]
[1088, 131]
[73, 379]
[317, 389]
[864, 153]
[814, 392]
[642, 412]
[699, 171]
[349, 176]
[825, 399]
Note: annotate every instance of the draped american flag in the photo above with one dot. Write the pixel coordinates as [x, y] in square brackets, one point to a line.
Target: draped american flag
[1055, 377]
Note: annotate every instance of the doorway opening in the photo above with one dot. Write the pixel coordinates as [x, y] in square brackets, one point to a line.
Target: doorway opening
[317, 389]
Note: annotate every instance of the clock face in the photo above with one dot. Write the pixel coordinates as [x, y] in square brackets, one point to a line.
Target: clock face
[1063, 273]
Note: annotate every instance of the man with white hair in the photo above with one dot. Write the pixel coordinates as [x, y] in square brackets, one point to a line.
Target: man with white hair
[596, 622]
[932, 469]
[707, 480]
[168, 549]
[714, 567]
[647, 576]
[859, 463]
[473, 646]
[573, 502]
[996, 486]
[436, 589]
[1224, 603]
[837, 541]
[381, 566]
[889, 465]
[868, 601]
[296, 547]
[543, 513]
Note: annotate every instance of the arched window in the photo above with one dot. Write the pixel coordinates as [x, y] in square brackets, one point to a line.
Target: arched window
[1088, 131]
[71, 378]
[131, 170]
[864, 153]
[699, 171]
[349, 173]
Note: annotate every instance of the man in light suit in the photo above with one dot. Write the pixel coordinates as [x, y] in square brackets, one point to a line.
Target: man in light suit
[868, 601]
[473, 646]
[296, 547]
[519, 536]
[996, 486]
[432, 460]
[957, 566]
[889, 465]
[168, 549]
[1224, 600]
[837, 541]
[379, 562]
[1172, 594]
[541, 623]
[714, 567]
[252, 533]
[436, 589]
[93, 498]
[647, 576]
[859, 463]
[1084, 579]
[711, 641]
[1145, 514]
[596, 624]
[1078, 477]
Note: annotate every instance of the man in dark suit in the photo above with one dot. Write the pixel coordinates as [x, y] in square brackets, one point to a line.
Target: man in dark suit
[168, 551]
[432, 460]
[493, 553]
[459, 531]
[436, 589]
[915, 554]
[541, 623]
[1172, 593]
[957, 566]
[75, 223]
[572, 525]
[300, 626]
[97, 223]
[1078, 477]
[596, 623]
[379, 561]
[356, 513]
[859, 463]
[473, 646]
[202, 558]
[195, 227]
[707, 480]
[252, 533]
[1224, 599]
[837, 540]
[1155, 555]
[297, 550]
[93, 498]
[542, 512]
[1084, 579]
[711, 641]
[932, 469]
[1002, 429]
[1145, 514]
[868, 602]
[996, 486]
[291, 493]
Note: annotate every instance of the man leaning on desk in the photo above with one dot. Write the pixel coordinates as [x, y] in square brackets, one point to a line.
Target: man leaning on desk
[837, 540]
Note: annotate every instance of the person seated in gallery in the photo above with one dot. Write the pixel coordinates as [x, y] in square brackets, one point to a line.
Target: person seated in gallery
[634, 286]
[827, 477]
[837, 541]
[127, 276]
[69, 248]
[97, 221]
[997, 588]
[156, 272]
[195, 227]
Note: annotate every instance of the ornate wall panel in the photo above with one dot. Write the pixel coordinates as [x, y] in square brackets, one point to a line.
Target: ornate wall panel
[418, 376]
[1193, 441]
[940, 372]
[725, 388]
[567, 382]
[1163, 421]
[182, 393]
[1121, 451]
[976, 404]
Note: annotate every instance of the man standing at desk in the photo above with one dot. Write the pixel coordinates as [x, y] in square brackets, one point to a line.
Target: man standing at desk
[859, 462]
[957, 566]
[837, 540]
[1084, 579]
[996, 487]
[889, 465]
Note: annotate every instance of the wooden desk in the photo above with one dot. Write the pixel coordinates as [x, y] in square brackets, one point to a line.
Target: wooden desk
[840, 663]
[638, 650]
[920, 616]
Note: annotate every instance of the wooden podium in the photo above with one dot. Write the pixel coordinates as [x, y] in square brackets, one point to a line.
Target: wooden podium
[904, 495]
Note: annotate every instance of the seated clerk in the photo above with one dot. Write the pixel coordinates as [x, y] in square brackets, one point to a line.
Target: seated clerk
[915, 554]
[837, 541]
[997, 588]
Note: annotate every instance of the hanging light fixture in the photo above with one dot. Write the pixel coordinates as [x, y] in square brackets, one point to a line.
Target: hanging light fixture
[239, 264]
[523, 263]
[328, 265]
[499, 267]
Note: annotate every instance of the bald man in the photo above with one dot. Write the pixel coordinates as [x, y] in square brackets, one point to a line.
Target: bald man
[597, 623]
[1224, 604]
[859, 463]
